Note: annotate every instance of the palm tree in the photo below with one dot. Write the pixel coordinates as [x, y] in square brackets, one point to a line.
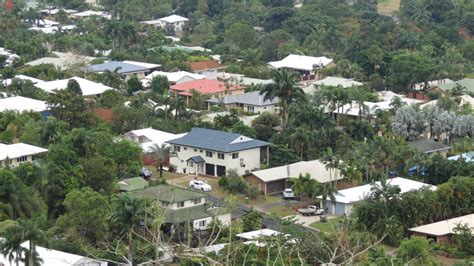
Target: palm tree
[251, 58]
[326, 190]
[33, 17]
[198, 100]
[284, 87]
[10, 245]
[299, 141]
[161, 153]
[384, 191]
[113, 29]
[303, 185]
[127, 214]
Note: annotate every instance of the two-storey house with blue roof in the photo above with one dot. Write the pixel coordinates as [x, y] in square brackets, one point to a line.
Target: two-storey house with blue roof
[213, 152]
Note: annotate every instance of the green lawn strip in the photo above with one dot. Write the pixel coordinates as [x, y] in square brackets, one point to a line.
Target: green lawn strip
[328, 226]
[282, 211]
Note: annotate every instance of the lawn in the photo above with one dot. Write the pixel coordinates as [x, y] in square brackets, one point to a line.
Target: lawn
[166, 175]
[388, 6]
[328, 226]
[282, 211]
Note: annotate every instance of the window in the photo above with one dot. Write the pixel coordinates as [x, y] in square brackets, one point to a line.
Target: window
[250, 108]
[177, 148]
[21, 159]
[209, 154]
[220, 156]
[235, 155]
[180, 204]
[165, 204]
[200, 151]
[196, 201]
[202, 223]
[185, 148]
[190, 163]
[195, 150]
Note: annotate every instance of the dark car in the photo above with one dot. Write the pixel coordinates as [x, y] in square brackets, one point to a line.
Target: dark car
[145, 172]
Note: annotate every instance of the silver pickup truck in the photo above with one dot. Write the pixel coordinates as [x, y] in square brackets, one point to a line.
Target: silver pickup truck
[311, 210]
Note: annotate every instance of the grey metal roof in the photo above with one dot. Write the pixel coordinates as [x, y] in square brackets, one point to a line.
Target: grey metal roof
[250, 98]
[428, 145]
[112, 65]
[196, 159]
[215, 140]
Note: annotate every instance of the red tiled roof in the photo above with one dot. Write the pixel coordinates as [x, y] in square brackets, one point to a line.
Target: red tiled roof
[203, 65]
[204, 86]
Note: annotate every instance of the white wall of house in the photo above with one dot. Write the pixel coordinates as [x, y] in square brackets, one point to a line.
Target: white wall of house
[187, 204]
[203, 224]
[250, 160]
[260, 109]
[14, 162]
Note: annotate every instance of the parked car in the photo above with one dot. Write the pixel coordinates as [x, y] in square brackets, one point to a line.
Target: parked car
[311, 210]
[200, 185]
[288, 193]
[145, 172]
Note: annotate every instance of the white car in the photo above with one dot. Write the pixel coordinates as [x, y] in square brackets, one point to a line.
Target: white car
[288, 193]
[200, 185]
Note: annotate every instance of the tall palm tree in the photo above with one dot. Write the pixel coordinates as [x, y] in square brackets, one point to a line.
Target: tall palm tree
[299, 141]
[284, 87]
[160, 154]
[384, 191]
[326, 190]
[178, 105]
[127, 214]
[113, 29]
[10, 245]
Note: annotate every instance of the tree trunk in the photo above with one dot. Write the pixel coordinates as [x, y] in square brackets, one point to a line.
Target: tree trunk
[30, 254]
[161, 169]
[130, 247]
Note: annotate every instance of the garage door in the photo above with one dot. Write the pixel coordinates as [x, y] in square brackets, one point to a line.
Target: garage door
[220, 170]
[275, 186]
[210, 169]
[340, 209]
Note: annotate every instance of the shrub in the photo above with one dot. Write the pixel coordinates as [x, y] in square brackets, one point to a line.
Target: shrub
[171, 168]
[252, 192]
[222, 181]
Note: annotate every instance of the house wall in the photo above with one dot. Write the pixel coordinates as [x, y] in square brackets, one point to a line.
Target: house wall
[256, 182]
[260, 109]
[339, 209]
[187, 204]
[140, 75]
[250, 157]
[14, 162]
[225, 219]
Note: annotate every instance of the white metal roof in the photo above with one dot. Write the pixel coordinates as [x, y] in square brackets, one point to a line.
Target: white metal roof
[22, 104]
[337, 81]
[7, 82]
[55, 257]
[154, 136]
[359, 193]
[172, 76]
[300, 62]
[315, 168]
[19, 149]
[142, 64]
[173, 19]
[252, 235]
[88, 87]
[445, 227]
[89, 13]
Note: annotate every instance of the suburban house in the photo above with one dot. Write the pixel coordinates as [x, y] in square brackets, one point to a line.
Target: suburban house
[210, 87]
[126, 69]
[249, 102]
[57, 258]
[276, 179]
[63, 61]
[15, 154]
[148, 137]
[443, 231]
[467, 83]
[91, 13]
[8, 82]
[89, 88]
[212, 152]
[347, 198]
[305, 66]
[132, 184]
[172, 25]
[22, 104]
[430, 147]
[208, 68]
[330, 81]
[184, 208]
[173, 77]
[468, 157]
[10, 56]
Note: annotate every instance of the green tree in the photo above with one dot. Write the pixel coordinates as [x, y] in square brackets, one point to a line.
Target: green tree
[284, 87]
[134, 85]
[409, 68]
[160, 154]
[281, 155]
[100, 173]
[159, 84]
[243, 129]
[240, 34]
[414, 250]
[251, 220]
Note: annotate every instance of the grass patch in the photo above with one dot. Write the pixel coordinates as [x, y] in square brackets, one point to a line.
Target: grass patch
[282, 211]
[166, 175]
[388, 6]
[328, 226]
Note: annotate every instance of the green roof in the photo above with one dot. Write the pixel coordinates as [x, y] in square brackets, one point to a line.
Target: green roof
[167, 193]
[468, 83]
[131, 184]
[192, 213]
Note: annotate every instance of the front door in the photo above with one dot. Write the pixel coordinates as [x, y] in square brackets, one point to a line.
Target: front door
[210, 169]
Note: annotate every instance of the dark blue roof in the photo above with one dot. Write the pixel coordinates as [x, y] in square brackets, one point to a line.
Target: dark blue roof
[196, 159]
[216, 140]
[112, 65]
